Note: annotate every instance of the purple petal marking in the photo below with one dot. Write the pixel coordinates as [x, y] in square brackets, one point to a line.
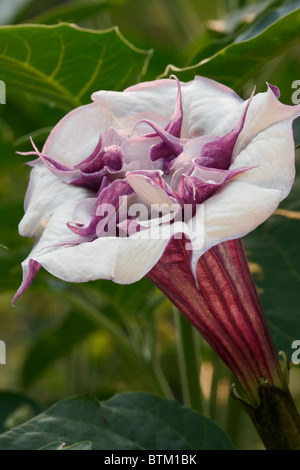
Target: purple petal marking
[111, 195]
[220, 149]
[108, 138]
[175, 123]
[199, 183]
[90, 172]
[275, 90]
[164, 150]
[107, 154]
[29, 273]
[53, 165]
[173, 143]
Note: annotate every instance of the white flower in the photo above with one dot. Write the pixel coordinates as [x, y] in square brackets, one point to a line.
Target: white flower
[194, 144]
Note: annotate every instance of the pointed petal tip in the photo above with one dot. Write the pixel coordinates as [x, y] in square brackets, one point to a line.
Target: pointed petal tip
[275, 90]
[30, 270]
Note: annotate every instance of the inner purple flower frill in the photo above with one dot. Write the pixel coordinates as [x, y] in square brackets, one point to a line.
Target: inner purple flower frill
[161, 167]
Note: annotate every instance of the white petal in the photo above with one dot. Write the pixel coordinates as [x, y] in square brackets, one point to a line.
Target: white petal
[264, 111]
[45, 193]
[151, 100]
[137, 151]
[145, 252]
[81, 263]
[209, 108]
[235, 210]
[148, 192]
[56, 231]
[272, 152]
[75, 137]
[109, 258]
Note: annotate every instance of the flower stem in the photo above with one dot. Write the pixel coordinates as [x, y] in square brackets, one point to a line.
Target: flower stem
[276, 418]
[188, 364]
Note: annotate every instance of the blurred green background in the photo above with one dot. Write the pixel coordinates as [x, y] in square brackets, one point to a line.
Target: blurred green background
[64, 339]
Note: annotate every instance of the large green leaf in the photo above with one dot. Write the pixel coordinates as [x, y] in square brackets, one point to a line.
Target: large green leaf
[234, 64]
[73, 12]
[131, 421]
[16, 408]
[273, 12]
[64, 64]
[224, 31]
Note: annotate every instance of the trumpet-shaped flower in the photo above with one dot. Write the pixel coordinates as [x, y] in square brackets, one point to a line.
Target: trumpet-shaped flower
[160, 180]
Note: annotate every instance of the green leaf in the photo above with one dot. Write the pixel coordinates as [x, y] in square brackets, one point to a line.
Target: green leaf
[234, 64]
[233, 20]
[129, 421]
[73, 12]
[271, 14]
[16, 408]
[232, 27]
[78, 62]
